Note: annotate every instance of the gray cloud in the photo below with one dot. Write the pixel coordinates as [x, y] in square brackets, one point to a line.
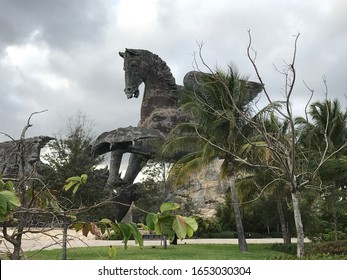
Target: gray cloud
[63, 55]
[62, 24]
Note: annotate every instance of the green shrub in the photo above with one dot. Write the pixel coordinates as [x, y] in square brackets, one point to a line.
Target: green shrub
[329, 236]
[326, 257]
[285, 248]
[310, 257]
[206, 227]
[332, 247]
[336, 250]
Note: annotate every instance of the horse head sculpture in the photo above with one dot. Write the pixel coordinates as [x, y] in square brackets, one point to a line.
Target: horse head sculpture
[160, 92]
[131, 67]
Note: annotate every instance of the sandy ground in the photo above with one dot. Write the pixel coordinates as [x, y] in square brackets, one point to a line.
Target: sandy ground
[53, 239]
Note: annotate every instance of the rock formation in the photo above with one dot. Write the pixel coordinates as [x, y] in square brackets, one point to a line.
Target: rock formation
[20, 157]
[204, 188]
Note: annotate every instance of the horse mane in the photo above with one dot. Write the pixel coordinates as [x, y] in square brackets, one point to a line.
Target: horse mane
[164, 71]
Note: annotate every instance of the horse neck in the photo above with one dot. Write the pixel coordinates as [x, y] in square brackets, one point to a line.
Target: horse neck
[160, 88]
[158, 94]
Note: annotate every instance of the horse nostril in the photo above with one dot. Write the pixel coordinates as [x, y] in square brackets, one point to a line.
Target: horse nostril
[128, 89]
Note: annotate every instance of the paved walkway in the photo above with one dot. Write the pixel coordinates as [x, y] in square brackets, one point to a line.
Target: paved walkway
[53, 240]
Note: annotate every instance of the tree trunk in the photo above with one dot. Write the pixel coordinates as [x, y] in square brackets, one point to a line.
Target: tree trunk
[333, 200]
[335, 224]
[284, 229]
[15, 238]
[17, 244]
[64, 248]
[238, 220]
[298, 225]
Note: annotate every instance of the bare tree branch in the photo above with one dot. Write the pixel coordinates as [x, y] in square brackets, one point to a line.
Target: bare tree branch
[28, 125]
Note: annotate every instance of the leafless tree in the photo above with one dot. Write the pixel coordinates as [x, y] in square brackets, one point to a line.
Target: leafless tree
[277, 142]
[289, 162]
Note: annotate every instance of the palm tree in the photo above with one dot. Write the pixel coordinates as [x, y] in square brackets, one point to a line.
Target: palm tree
[266, 172]
[216, 105]
[325, 137]
[327, 131]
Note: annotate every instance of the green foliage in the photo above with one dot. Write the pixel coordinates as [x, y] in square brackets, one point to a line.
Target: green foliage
[217, 127]
[9, 201]
[316, 251]
[225, 213]
[285, 248]
[153, 188]
[112, 251]
[169, 224]
[325, 257]
[45, 199]
[169, 206]
[333, 247]
[325, 211]
[181, 252]
[67, 156]
[75, 182]
[207, 226]
[151, 221]
[128, 230]
[334, 169]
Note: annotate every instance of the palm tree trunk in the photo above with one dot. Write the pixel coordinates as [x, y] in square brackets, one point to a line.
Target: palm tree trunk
[333, 200]
[238, 220]
[335, 224]
[284, 229]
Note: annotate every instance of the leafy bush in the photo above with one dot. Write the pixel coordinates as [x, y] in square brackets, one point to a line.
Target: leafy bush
[332, 247]
[207, 226]
[329, 236]
[326, 257]
[336, 250]
[311, 257]
[285, 248]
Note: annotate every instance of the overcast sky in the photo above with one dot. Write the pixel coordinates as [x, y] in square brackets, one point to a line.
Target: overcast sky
[62, 55]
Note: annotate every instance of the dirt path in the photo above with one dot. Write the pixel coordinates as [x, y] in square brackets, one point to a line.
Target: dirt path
[53, 240]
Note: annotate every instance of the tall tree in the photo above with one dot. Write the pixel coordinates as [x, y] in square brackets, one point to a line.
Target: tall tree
[325, 134]
[153, 188]
[215, 129]
[324, 130]
[68, 156]
[21, 187]
[262, 165]
[290, 163]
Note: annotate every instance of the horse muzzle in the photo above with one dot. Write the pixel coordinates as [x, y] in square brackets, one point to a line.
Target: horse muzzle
[130, 93]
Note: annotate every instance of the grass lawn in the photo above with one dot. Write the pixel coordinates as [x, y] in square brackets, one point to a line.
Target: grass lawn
[178, 252]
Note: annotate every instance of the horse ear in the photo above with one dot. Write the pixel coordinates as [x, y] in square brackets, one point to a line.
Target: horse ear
[121, 54]
[132, 51]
